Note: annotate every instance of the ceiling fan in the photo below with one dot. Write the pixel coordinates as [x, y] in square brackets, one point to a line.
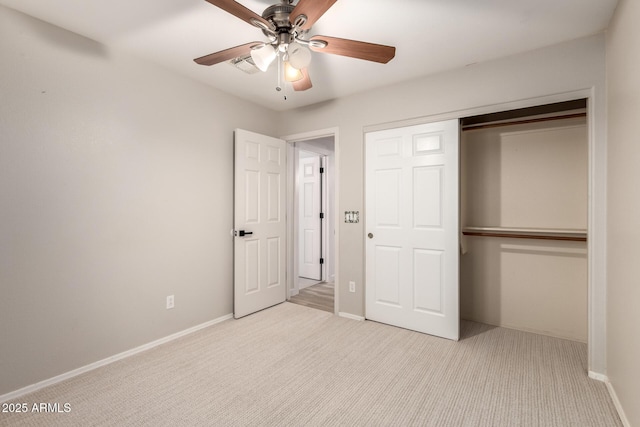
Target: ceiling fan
[287, 28]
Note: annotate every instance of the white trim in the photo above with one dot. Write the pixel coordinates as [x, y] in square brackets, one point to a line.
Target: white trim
[614, 396]
[618, 405]
[484, 109]
[350, 316]
[597, 233]
[128, 353]
[315, 134]
[291, 270]
[598, 377]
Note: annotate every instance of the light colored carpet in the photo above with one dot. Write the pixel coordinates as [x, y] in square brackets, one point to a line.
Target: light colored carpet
[318, 296]
[294, 366]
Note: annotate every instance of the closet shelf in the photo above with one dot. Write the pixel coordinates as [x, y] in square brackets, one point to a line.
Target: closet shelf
[575, 235]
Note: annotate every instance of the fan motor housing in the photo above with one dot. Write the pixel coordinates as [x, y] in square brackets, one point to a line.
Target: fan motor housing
[279, 15]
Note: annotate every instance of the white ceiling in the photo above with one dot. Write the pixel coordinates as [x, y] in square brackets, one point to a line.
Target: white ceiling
[430, 36]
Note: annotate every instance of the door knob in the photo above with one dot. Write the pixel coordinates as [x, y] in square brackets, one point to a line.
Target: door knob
[243, 233]
[370, 235]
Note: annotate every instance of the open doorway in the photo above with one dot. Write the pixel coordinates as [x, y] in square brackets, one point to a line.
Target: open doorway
[313, 228]
[311, 198]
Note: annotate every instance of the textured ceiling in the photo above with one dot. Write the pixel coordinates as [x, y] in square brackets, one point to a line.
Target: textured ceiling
[430, 36]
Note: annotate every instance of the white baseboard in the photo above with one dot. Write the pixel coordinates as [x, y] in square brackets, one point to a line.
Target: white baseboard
[350, 316]
[599, 377]
[614, 396]
[616, 403]
[59, 378]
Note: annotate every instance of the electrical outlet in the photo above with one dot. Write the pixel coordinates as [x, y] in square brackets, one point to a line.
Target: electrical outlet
[352, 286]
[170, 302]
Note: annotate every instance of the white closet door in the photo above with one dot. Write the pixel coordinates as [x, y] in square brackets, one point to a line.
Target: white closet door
[412, 226]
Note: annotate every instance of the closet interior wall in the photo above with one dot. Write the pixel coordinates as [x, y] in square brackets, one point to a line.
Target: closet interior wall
[530, 176]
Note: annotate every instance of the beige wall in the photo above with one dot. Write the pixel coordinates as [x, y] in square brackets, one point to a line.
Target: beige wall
[115, 191]
[623, 246]
[526, 176]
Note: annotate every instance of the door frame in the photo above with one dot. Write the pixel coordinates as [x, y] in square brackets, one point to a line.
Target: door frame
[596, 220]
[292, 268]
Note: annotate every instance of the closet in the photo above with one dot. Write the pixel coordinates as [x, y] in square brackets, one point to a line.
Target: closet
[524, 204]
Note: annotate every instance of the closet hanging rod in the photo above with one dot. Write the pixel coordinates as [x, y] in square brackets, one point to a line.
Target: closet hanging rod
[523, 121]
[527, 233]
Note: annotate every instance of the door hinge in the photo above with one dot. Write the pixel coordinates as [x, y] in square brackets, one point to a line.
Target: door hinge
[321, 260]
[321, 170]
[321, 215]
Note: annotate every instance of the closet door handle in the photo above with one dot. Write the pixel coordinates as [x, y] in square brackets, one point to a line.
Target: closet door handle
[243, 233]
[370, 235]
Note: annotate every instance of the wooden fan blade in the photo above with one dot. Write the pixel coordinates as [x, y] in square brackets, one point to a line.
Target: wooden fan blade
[355, 49]
[313, 9]
[227, 54]
[238, 10]
[304, 83]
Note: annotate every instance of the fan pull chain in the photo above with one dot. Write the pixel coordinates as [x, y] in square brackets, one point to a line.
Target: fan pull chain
[284, 91]
[281, 86]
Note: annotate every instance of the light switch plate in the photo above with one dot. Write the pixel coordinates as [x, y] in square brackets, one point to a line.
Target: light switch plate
[352, 217]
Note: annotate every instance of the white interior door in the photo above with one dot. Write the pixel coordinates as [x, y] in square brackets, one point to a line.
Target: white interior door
[412, 226]
[259, 222]
[309, 204]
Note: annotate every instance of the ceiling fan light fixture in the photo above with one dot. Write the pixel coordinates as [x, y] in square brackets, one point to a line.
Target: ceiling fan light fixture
[287, 25]
[292, 74]
[299, 55]
[263, 56]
